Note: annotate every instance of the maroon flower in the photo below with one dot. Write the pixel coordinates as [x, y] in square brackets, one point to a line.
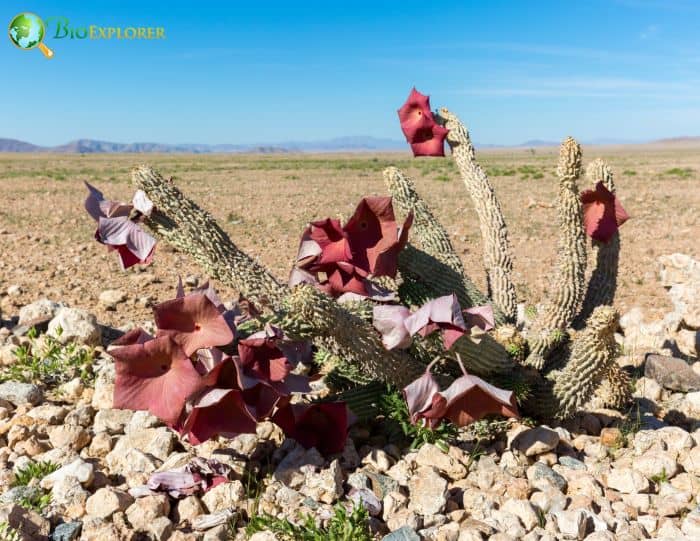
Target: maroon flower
[469, 399]
[419, 393]
[218, 411]
[375, 238]
[119, 228]
[263, 374]
[425, 136]
[340, 260]
[466, 400]
[322, 425]
[193, 321]
[602, 213]
[155, 375]
[442, 313]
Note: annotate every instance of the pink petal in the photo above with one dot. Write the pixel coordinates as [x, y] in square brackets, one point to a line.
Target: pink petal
[92, 203]
[444, 313]
[470, 398]
[134, 336]
[479, 316]
[602, 213]
[194, 322]
[418, 124]
[142, 203]
[419, 394]
[156, 376]
[389, 320]
[218, 411]
[332, 240]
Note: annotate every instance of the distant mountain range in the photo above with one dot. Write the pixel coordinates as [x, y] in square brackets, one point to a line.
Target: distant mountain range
[358, 143]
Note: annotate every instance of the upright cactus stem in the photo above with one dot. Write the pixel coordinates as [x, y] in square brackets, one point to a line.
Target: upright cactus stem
[568, 282]
[497, 253]
[435, 266]
[591, 357]
[603, 281]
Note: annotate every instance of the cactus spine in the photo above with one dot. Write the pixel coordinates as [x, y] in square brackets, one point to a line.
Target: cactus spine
[497, 254]
[569, 279]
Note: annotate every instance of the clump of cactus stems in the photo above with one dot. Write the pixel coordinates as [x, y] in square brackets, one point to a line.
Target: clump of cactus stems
[557, 370]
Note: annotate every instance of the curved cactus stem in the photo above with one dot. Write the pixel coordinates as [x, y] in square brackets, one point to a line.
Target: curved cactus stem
[569, 277]
[182, 223]
[497, 253]
[592, 353]
[603, 281]
[309, 312]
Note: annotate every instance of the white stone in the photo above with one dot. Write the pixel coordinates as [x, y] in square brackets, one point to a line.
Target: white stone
[431, 455]
[76, 326]
[224, 496]
[627, 481]
[81, 470]
[41, 309]
[524, 510]
[571, 524]
[427, 492]
[535, 441]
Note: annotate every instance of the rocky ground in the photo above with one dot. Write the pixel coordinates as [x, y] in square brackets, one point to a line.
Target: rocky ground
[73, 467]
[603, 475]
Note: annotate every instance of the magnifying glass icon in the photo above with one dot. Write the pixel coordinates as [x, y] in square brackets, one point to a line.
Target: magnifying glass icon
[27, 31]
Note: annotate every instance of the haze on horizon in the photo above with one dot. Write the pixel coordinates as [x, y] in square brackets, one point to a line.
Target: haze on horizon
[239, 74]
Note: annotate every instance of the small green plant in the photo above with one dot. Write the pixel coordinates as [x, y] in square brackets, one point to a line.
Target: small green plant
[443, 178]
[680, 172]
[34, 470]
[629, 173]
[45, 360]
[394, 408]
[8, 533]
[343, 526]
[661, 477]
[35, 500]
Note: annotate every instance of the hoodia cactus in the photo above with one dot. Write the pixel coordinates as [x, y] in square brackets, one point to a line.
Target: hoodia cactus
[559, 383]
[603, 280]
[497, 256]
[568, 282]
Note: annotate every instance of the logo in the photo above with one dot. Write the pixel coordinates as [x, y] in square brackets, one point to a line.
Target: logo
[27, 31]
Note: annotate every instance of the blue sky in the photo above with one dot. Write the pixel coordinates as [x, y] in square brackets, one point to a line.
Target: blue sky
[234, 72]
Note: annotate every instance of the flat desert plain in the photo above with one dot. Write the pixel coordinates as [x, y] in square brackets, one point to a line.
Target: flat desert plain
[264, 201]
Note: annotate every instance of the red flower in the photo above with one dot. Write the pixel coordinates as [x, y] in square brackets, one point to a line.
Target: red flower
[466, 400]
[372, 235]
[322, 425]
[155, 375]
[425, 136]
[218, 411]
[602, 213]
[340, 260]
[193, 321]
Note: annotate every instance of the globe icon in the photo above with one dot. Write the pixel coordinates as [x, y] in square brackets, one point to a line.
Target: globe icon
[27, 31]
